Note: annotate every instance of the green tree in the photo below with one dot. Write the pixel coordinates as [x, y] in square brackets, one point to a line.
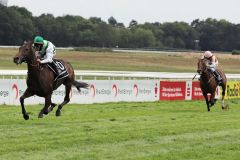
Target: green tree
[105, 35]
[143, 38]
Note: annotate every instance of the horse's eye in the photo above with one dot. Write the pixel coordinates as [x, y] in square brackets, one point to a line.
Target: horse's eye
[26, 49]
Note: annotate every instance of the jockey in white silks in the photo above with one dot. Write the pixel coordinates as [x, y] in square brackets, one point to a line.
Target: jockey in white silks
[213, 63]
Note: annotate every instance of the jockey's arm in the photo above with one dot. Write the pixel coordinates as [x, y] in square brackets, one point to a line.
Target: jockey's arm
[214, 62]
[48, 58]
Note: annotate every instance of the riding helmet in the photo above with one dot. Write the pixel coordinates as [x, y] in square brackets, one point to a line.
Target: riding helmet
[38, 40]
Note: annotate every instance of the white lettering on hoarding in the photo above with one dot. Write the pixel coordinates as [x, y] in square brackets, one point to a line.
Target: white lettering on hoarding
[178, 89]
[172, 94]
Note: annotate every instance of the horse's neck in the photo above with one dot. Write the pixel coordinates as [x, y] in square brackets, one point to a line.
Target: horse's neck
[33, 70]
[206, 76]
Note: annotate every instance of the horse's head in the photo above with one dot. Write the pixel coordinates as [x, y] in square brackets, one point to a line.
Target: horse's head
[202, 65]
[24, 54]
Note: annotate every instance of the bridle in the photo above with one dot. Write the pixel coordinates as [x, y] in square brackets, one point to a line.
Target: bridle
[31, 62]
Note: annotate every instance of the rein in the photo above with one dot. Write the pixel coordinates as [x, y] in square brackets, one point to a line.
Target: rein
[37, 64]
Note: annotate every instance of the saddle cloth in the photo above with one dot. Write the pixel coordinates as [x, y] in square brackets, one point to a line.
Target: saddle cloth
[60, 66]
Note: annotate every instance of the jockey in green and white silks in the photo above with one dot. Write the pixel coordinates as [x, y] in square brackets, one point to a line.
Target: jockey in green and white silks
[46, 50]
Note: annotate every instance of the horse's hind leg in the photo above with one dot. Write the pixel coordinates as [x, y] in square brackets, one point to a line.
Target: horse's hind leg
[66, 98]
[26, 94]
[223, 96]
[45, 108]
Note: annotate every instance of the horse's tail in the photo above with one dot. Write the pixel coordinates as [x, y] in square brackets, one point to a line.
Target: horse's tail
[80, 85]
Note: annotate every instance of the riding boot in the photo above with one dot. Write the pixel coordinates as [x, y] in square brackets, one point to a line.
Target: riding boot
[58, 71]
[218, 77]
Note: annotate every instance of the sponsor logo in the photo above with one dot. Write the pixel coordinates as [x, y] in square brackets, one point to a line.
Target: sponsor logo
[92, 90]
[233, 89]
[4, 93]
[172, 90]
[145, 91]
[59, 93]
[135, 88]
[114, 89]
[15, 88]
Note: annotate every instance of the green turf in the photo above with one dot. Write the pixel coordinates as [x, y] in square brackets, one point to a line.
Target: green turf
[165, 130]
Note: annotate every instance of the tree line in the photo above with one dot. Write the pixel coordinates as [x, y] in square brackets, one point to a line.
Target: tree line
[18, 24]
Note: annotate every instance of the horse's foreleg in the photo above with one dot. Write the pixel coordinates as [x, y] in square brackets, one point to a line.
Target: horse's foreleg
[66, 98]
[207, 101]
[26, 94]
[212, 99]
[45, 108]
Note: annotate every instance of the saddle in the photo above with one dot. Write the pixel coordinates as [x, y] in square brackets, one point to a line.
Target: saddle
[58, 68]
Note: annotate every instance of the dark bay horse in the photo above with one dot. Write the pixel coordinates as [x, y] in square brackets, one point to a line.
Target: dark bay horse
[208, 83]
[40, 80]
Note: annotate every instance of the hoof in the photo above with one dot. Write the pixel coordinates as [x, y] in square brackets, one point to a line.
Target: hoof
[26, 117]
[45, 112]
[225, 107]
[58, 112]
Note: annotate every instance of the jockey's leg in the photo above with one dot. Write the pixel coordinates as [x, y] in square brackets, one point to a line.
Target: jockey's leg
[57, 69]
[216, 75]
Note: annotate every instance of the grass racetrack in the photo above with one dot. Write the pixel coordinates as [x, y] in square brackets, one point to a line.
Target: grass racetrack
[178, 130]
[164, 130]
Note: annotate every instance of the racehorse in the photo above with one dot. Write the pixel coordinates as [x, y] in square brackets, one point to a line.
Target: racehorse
[208, 83]
[40, 80]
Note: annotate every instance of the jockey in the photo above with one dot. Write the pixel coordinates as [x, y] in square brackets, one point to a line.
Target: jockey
[46, 50]
[213, 63]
